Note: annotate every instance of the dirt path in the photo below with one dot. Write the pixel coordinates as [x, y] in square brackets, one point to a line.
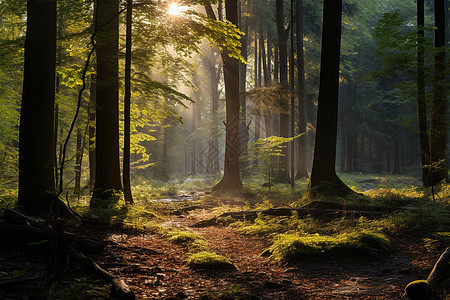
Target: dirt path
[156, 268]
[162, 273]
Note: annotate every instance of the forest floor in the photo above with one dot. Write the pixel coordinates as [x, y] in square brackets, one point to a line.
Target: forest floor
[156, 268]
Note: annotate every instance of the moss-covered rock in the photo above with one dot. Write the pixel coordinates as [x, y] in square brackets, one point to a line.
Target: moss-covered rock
[209, 261]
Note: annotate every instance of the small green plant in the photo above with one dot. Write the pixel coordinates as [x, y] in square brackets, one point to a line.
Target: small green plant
[209, 261]
[266, 149]
[363, 243]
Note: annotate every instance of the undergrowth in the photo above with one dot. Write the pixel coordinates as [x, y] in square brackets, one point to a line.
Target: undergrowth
[362, 243]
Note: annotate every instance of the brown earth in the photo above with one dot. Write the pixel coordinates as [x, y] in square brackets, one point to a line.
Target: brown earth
[156, 269]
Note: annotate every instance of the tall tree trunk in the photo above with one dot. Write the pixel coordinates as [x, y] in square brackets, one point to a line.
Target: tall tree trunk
[36, 134]
[78, 161]
[243, 132]
[438, 124]
[323, 175]
[126, 176]
[302, 170]
[213, 150]
[421, 102]
[269, 58]
[292, 86]
[283, 172]
[91, 120]
[231, 180]
[107, 175]
[194, 140]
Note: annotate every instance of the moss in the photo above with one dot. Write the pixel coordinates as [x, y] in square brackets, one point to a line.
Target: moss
[182, 237]
[419, 290]
[363, 244]
[209, 261]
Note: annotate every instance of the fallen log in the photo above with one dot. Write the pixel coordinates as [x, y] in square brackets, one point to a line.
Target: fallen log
[251, 215]
[119, 289]
[427, 289]
[22, 236]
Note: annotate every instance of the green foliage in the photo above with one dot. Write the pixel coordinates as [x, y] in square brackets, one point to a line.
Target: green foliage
[363, 243]
[266, 149]
[209, 261]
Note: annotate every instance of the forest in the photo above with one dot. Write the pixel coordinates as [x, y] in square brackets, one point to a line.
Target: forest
[224, 149]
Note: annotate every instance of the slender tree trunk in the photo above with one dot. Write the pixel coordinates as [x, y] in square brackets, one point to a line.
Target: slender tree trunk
[36, 134]
[421, 102]
[126, 176]
[107, 175]
[283, 172]
[78, 161]
[91, 120]
[323, 176]
[276, 69]
[438, 124]
[213, 150]
[292, 86]
[269, 58]
[243, 132]
[262, 48]
[302, 170]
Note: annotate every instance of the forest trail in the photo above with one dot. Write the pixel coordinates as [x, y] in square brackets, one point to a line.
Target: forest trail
[157, 269]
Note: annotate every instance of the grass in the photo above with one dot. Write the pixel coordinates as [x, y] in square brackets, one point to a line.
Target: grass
[362, 244]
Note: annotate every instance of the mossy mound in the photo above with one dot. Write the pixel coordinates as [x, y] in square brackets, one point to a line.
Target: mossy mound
[206, 260]
[354, 244]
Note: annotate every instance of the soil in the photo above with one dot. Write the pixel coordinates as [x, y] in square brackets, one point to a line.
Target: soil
[156, 269]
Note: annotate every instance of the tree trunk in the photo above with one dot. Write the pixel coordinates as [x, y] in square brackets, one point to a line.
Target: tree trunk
[91, 120]
[126, 176]
[107, 175]
[323, 176]
[78, 161]
[213, 149]
[231, 180]
[36, 133]
[438, 124]
[283, 172]
[302, 170]
[243, 132]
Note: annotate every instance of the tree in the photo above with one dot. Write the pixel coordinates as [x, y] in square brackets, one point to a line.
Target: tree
[127, 108]
[231, 180]
[323, 175]
[36, 137]
[107, 170]
[421, 100]
[438, 125]
[283, 172]
[301, 160]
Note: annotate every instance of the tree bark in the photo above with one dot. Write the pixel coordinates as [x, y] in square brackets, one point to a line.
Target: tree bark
[302, 170]
[36, 134]
[282, 175]
[107, 175]
[231, 180]
[438, 124]
[91, 120]
[126, 176]
[78, 161]
[323, 176]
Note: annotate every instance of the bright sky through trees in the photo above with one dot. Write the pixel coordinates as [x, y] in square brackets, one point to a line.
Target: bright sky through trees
[176, 9]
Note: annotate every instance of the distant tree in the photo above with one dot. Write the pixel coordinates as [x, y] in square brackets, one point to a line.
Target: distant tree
[36, 138]
[421, 98]
[324, 179]
[283, 33]
[438, 124]
[301, 160]
[107, 170]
